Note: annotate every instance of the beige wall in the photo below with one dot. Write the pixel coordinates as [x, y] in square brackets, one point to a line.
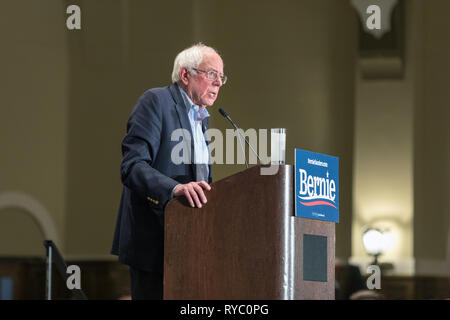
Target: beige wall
[383, 165]
[432, 143]
[20, 234]
[33, 121]
[402, 149]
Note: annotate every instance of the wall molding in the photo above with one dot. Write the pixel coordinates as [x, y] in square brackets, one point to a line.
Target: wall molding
[432, 267]
[409, 267]
[35, 209]
[92, 257]
[402, 267]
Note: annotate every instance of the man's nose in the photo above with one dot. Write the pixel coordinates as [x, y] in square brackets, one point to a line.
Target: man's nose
[218, 82]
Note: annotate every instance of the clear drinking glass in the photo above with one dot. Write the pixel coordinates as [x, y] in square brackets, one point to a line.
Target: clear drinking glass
[278, 146]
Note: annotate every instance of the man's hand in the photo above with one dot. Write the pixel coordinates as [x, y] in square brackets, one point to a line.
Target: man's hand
[193, 191]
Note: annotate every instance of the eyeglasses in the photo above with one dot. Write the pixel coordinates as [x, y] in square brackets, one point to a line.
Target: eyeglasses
[213, 75]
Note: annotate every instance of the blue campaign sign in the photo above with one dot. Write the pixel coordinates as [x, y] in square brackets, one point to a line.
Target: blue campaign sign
[316, 186]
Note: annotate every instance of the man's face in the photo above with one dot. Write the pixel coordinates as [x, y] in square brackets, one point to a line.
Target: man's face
[202, 91]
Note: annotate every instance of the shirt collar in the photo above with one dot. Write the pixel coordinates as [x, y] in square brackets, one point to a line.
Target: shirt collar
[199, 113]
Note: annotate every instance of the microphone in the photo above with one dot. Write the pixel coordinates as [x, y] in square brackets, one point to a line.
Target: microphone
[226, 115]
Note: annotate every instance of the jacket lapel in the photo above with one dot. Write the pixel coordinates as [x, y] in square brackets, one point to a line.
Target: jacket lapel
[184, 121]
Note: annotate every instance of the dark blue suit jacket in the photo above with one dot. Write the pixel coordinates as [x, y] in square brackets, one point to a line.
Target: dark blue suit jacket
[149, 176]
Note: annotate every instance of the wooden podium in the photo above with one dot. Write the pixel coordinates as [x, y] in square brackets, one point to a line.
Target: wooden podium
[246, 243]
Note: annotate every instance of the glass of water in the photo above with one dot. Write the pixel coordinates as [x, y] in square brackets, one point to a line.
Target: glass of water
[278, 146]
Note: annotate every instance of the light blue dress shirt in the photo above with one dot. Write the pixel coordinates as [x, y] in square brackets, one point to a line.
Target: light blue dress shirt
[196, 116]
[201, 153]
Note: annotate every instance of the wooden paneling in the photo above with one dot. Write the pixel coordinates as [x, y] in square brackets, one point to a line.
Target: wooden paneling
[99, 279]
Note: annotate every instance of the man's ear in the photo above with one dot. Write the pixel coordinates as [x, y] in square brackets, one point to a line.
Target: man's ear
[184, 76]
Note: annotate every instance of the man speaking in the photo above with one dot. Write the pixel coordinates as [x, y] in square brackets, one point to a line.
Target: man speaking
[150, 178]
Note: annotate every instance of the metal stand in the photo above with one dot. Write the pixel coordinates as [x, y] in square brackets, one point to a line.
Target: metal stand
[48, 281]
[54, 257]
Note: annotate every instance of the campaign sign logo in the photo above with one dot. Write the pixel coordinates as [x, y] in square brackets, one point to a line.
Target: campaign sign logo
[316, 186]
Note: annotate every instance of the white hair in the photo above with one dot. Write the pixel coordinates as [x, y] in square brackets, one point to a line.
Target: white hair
[190, 58]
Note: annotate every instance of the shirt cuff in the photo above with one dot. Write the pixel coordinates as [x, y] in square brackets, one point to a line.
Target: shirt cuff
[173, 190]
